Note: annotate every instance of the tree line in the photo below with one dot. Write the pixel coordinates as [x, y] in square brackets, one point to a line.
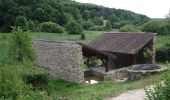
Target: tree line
[30, 13]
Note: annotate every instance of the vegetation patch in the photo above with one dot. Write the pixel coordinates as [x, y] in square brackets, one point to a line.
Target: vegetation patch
[37, 81]
[50, 27]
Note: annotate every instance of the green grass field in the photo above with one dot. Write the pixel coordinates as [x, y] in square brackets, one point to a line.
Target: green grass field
[90, 35]
[11, 75]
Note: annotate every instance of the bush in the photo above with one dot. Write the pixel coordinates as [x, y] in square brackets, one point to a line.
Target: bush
[91, 62]
[83, 37]
[108, 26]
[162, 27]
[11, 84]
[21, 45]
[96, 28]
[31, 26]
[87, 25]
[128, 28]
[50, 27]
[163, 53]
[72, 27]
[160, 92]
[22, 22]
[37, 81]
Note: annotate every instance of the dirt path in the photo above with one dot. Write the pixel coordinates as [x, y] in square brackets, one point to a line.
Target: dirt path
[131, 95]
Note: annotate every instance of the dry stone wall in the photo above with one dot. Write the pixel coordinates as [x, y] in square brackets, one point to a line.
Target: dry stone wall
[62, 59]
[116, 74]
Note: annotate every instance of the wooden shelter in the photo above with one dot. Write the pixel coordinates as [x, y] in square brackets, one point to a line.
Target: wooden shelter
[123, 49]
[106, 57]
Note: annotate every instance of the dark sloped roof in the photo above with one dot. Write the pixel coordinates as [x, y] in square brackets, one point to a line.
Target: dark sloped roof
[128, 43]
[88, 51]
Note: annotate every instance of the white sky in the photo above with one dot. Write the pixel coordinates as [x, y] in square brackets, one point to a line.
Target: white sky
[151, 8]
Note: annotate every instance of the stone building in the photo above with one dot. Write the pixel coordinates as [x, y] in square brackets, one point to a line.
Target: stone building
[64, 59]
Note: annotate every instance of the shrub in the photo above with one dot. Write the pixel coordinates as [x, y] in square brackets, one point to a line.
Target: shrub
[11, 84]
[92, 62]
[160, 92]
[38, 81]
[87, 25]
[163, 53]
[20, 45]
[72, 27]
[31, 26]
[83, 37]
[22, 22]
[50, 27]
[162, 27]
[128, 28]
[96, 28]
[108, 26]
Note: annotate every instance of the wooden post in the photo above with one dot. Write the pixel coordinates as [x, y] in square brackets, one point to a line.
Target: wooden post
[134, 59]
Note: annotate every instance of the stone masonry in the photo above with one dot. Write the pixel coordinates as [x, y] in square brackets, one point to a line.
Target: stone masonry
[62, 59]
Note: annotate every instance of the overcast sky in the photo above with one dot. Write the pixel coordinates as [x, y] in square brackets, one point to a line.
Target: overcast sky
[151, 8]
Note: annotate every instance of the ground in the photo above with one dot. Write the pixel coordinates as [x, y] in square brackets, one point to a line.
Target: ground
[138, 94]
[58, 88]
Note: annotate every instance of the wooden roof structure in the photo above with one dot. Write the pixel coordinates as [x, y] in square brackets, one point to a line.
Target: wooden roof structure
[89, 51]
[122, 42]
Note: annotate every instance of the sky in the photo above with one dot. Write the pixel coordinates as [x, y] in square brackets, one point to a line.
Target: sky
[150, 8]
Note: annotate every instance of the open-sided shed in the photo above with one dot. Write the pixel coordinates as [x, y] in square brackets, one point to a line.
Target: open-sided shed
[129, 48]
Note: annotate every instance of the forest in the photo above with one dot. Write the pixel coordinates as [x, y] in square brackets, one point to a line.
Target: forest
[30, 13]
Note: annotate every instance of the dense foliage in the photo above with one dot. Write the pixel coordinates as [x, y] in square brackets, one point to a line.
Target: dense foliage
[50, 27]
[83, 37]
[92, 62]
[21, 46]
[72, 27]
[87, 25]
[108, 26]
[129, 28]
[60, 11]
[161, 91]
[96, 28]
[163, 53]
[162, 27]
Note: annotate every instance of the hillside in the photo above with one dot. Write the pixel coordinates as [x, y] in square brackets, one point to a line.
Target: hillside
[59, 11]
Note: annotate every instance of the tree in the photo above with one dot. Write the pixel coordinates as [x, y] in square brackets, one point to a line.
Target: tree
[21, 46]
[97, 21]
[162, 27]
[87, 25]
[72, 27]
[108, 26]
[31, 25]
[86, 15]
[21, 22]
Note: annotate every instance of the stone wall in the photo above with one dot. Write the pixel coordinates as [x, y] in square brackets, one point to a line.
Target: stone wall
[62, 59]
[116, 74]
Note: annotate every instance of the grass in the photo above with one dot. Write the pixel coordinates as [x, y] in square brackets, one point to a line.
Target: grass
[90, 35]
[13, 74]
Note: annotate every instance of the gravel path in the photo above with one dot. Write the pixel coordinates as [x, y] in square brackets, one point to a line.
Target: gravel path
[131, 95]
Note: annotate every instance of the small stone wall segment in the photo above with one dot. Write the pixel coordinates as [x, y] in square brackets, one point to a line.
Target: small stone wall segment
[116, 74]
[64, 59]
